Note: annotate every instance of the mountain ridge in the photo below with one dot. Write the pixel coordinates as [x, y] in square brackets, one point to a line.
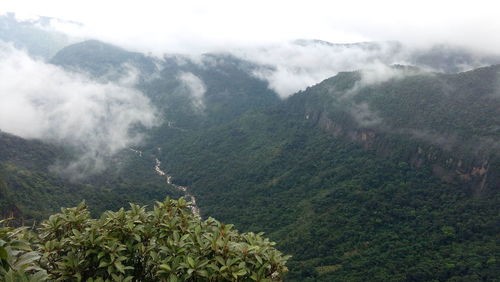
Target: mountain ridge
[308, 162]
[371, 174]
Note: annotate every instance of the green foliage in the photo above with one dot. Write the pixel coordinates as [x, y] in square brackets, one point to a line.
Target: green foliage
[352, 209]
[31, 190]
[357, 182]
[168, 243]
[18, 261]
[342, 211]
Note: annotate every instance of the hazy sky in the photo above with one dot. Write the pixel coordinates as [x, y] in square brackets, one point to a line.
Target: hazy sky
[166, 26]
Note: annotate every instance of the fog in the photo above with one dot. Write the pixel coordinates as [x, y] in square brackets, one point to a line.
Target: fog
[205, 26]
[293, 66]
[195, 88]
[99, 118]
[96, 119]
[265, 33]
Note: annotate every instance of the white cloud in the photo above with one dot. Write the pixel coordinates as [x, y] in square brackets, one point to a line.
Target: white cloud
[256, 30]
[291, 67]
[177, 26]
[38, 100]
[196, 89]
[378, 73]
[364, 116]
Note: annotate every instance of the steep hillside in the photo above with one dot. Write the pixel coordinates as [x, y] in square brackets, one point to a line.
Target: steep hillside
[454, 118]
[37, 188]
[385, 174]
[32, 188]
[190, 92]
[389, 179]
[101, 59]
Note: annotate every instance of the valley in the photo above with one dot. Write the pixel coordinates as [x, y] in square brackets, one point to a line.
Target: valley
[168, 178]
[387, 172]
[194, 208]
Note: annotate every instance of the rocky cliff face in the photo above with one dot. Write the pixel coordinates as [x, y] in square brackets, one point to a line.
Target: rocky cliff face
[449, 122]
[453, 167]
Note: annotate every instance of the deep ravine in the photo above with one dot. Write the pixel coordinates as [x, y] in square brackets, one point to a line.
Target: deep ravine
[184, 189]
[193, 206]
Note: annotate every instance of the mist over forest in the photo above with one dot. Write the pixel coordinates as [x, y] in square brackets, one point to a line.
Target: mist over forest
[364, 142]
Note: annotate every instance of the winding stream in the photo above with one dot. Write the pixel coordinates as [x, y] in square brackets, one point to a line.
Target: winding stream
[136, 151]
[194, 208]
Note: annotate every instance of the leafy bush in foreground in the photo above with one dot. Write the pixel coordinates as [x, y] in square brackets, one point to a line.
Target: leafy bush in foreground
[18, 261]
[168, 243]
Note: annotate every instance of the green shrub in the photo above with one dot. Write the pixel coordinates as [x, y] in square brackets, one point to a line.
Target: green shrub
[18, 261]
[168, 243]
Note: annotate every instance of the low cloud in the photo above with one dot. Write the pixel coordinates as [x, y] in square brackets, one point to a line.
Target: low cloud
[379, 73]
[207, 25]
[95, 119]
[364, 116]
[296, 65]
[445, 141]
[288, 66]
[293, 66]
[196, 89]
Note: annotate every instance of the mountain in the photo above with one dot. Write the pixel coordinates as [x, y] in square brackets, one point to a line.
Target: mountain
[98, 59]
[395, 179]
[189, 92]
[457, 113]
[379, 174]
[31, 188]
[27, 165]
[442, 57]
[452, 59]
[35, 36]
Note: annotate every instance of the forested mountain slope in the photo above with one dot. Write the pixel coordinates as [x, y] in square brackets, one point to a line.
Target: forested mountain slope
[391, 179]
[100, 59]
[31, 188]
[191, 92]
[381, 174]
[31, 169]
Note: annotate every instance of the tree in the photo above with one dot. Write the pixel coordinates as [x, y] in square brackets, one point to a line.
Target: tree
[168, 243]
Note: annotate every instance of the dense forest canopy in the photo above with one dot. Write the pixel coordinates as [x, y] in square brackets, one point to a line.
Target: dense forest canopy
[384, 173]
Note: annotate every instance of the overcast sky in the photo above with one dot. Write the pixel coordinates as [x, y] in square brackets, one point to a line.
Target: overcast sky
[166, 26]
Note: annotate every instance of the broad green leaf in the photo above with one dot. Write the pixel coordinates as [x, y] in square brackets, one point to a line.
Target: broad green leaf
[190, 261]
